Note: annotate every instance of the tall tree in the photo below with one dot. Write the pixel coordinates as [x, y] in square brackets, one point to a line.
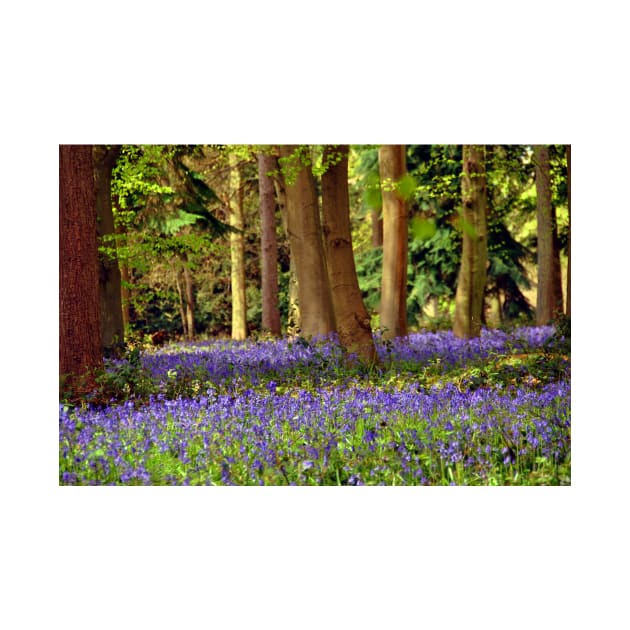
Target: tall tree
[268, 245]
[471, 281]
[293, 315]
[79, 307]
[237, 252]
[393, 307]
[351, 317]
[112, 327]
[549, 292]
[306, 244]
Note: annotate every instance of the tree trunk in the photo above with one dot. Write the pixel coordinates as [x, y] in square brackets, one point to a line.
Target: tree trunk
[190, 300]
[548, 302]
[182, 305]
[471, 282]
[307, 248]
[293, 319]
[569, 252]
[268, 246]
[393, 308]
[112, 326]
[237, 253]
[79, 309]
[351, 316]
[377, 228]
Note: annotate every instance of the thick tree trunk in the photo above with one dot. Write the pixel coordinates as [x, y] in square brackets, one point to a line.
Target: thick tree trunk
[268, 246]
[549, 295]
[112, 326]
[79, 309]
[307, 248]
[393, 308]
[351, 316]
[568, 311]
[237, 253]
[471, 282]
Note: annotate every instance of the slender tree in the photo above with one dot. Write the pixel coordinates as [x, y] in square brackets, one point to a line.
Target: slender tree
[377, 227]
[79, 307]
[307, 247]
[549, 292]
[112, 326]
[268, 245]
[393, 307]
[293, 319]
[471, 281]
[351, 316]
[237, 252]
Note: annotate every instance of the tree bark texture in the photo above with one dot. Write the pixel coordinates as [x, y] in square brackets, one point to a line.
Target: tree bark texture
[79, 308]
[351, 317]
[377, 228]
[112, 326]
[549, 292]
[268, 246]
[568, 311]
[189, 297]
[393, 308]
[307, 248]
[293, 318]
[237, 253]
[471, 281]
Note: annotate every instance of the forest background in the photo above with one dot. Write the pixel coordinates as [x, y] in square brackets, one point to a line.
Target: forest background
[551, 80]
[193, 246]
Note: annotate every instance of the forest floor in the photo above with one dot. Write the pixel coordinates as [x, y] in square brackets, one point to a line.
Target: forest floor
[437, 411]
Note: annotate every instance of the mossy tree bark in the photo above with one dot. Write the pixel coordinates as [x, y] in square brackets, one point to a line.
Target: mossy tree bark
[80, 347]
[307, 247]
[471, 281]
[393, 307]
[110, 290]
[351, 317]
[268, 245]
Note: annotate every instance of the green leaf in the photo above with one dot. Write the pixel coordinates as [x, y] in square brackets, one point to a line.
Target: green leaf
[468, 227]
[373, 198]
[406, 186]
[422, 229]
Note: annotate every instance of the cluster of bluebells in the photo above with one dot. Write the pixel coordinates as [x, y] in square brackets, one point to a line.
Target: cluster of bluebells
[350, 433]
[222, 361]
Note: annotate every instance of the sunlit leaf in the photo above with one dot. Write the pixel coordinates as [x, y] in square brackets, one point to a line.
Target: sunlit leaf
[422, 229]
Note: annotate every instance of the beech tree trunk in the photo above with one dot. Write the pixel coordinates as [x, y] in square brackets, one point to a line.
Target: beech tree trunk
[471, 281]
[293, 319]
[351, 316]
[377, 227]
[549, 292]
[237, 253]
[189, 300]
[307, 248]
[393, 307]
[112, 326]
[568, 311]
[182, 305]
[79, 308]
[268, 246]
